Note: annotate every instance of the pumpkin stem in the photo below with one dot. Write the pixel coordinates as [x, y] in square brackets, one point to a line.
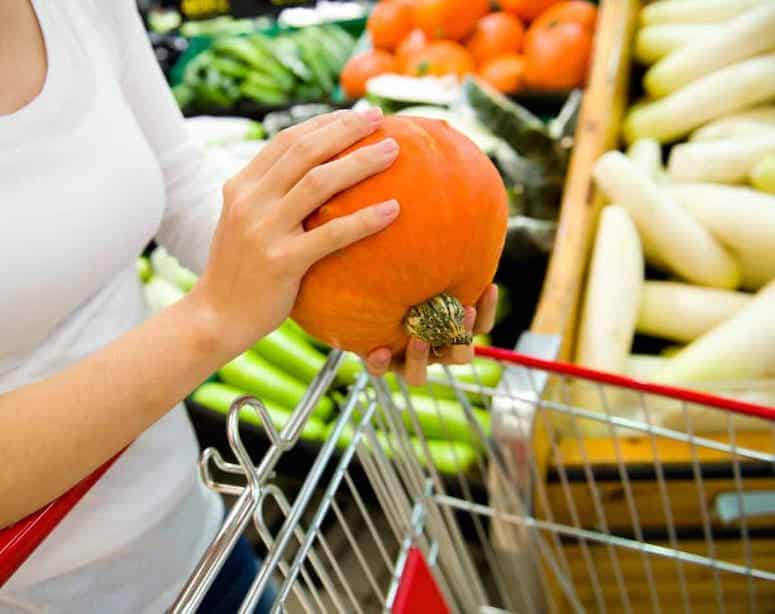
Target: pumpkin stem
[438, 322]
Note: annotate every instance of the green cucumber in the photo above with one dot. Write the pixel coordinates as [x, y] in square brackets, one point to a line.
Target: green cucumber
[311, 53]
[219, 397]
[443, 419]
[286, 52]
[252, 373]
[263, 95]
[230, 67]
[449, 457]
[284, 348]
[283, 77]
[144, 270]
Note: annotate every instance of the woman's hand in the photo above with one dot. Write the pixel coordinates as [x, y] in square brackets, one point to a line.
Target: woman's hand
[412, 366]
[260, 250]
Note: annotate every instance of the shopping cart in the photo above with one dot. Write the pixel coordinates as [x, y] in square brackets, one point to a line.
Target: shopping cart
[588, 492]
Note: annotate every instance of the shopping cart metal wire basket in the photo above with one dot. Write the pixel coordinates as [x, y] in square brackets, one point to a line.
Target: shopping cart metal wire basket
[591, 492]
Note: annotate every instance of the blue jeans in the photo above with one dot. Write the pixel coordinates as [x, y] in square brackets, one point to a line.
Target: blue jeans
[233, 581]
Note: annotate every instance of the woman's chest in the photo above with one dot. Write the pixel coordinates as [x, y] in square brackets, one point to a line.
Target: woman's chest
[76, 207]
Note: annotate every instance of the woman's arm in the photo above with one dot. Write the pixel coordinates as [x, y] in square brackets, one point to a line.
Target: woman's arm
[55, 432]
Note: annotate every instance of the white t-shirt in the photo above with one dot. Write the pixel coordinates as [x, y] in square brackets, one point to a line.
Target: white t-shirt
[93, 168]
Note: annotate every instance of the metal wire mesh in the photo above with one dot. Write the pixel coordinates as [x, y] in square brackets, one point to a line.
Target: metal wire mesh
[577, 493]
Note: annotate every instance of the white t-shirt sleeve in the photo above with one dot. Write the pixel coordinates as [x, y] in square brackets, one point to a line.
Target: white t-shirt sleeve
[192, 185]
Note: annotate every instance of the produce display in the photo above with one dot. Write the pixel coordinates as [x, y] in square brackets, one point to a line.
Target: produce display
[686, 253]
[263, 70]
[279, 367]
[524, 46]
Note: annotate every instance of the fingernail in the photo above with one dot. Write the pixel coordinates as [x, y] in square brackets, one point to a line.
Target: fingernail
[374, 116]
[387, 209]
[388, 146]
[419, 346]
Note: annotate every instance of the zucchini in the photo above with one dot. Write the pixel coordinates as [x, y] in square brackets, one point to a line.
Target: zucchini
[218, 397]
[284, 348]
[448, 457]
[443, 419]
[254, 374]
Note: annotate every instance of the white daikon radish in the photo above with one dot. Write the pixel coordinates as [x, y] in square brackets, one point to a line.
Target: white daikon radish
[612, 296]
[751, 121]
[742, 347]
[643, 366]
[763, 174]
[647, 154]
[694, 11]
[747, 35]
[741, 218]
[671, 232]
[610, 306]
[652, 43]
[723, 92]
[721, 161]
[680, 312]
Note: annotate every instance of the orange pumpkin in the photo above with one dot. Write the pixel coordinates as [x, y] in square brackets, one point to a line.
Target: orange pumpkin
[438, 255]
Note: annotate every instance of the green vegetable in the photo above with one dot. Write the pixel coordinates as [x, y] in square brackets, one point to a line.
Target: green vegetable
[184, 95]
[167, 267]
[292, 353]
[263, 95]
[707, 98]
[652, 43]
[741, 348]
[219, 397]
[159, 293]
[443, 419]
[229, 66]
[722, 160]
[680, 312]
[763, 174]
[665, 228]
[525, 132]
[256, 375]
[448, 457]
[313, 56]
[745, 36]
[695, 11]
[144, 271]
[287, 53]
[282, 76]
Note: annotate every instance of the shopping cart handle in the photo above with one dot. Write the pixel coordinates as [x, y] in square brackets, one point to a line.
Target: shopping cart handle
[19, 541]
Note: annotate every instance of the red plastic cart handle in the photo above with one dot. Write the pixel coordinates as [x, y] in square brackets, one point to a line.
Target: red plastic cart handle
[18, 541]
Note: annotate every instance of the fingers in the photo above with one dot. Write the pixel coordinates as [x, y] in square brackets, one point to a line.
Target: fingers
[324, 181]
[486, 308]
[343, 231]
[378, 362]
[274, 150]
[416, 362]
[320, 146]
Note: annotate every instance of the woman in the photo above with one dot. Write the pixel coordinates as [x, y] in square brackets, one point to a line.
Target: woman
[95, 161]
